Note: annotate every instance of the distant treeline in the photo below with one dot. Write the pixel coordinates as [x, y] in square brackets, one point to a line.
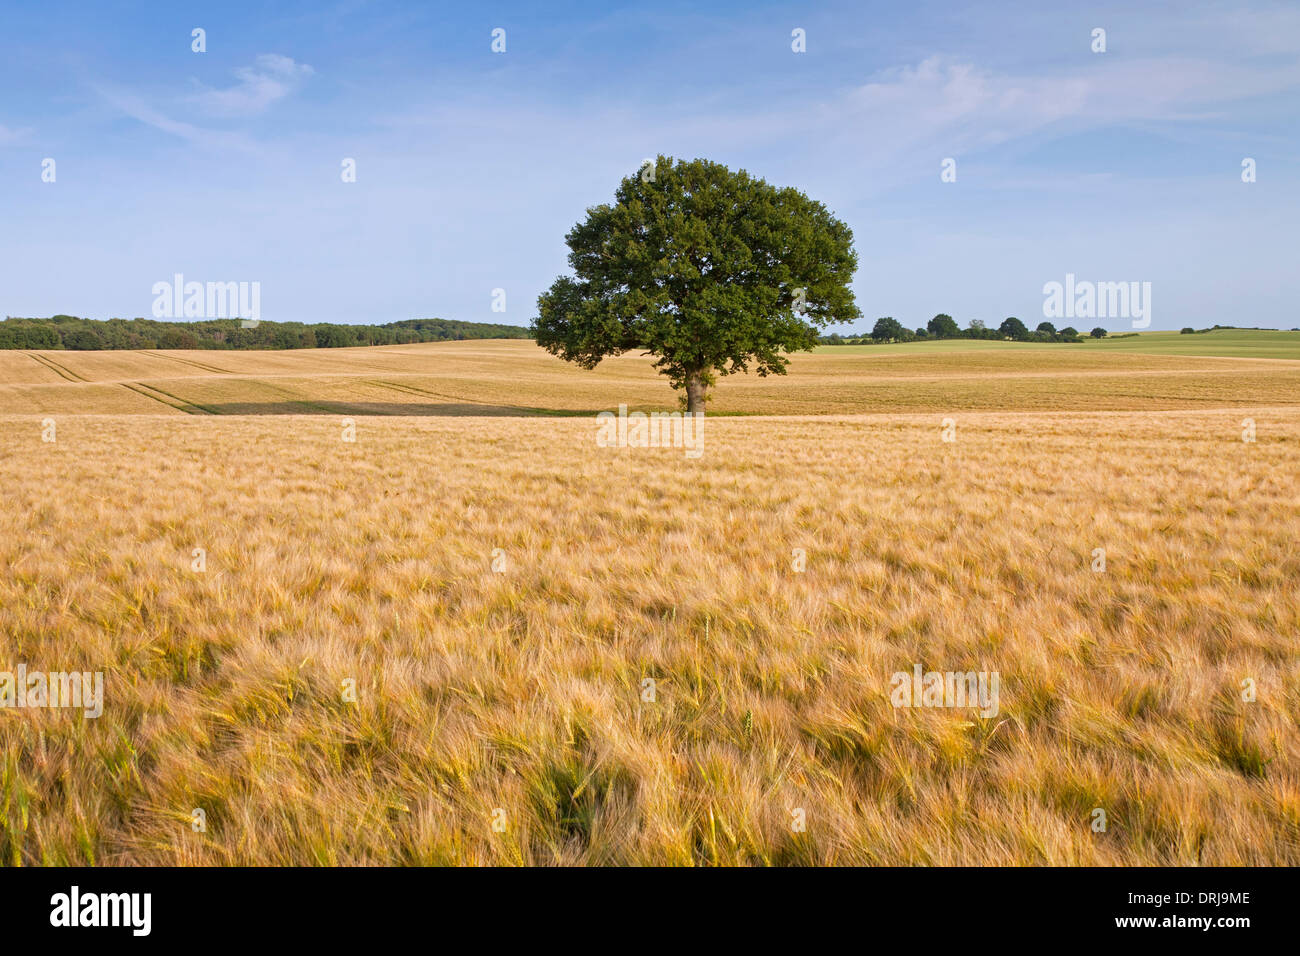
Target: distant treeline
[70, 332]
[1236, 328]
[943, 326]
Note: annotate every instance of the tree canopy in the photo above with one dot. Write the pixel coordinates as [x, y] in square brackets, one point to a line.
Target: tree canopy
[1013, 328]
[707, 269]
[943, 326]
[888, 329]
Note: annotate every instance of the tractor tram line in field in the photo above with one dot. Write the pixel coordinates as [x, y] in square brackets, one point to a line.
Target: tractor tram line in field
[53, 366]
[413, 390]
[140, 388]
[190, 362]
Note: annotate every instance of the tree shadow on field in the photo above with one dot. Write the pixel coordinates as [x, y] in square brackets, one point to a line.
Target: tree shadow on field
[406, 409]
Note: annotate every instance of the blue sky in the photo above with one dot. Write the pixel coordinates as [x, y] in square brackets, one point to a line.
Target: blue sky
[472, 165]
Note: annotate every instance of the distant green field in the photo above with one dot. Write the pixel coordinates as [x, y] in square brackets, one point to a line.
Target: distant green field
[1235, 343]
[1231, 343]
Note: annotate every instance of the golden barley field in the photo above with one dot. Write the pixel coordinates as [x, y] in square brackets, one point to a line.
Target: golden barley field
[515, 377]
[472, 636]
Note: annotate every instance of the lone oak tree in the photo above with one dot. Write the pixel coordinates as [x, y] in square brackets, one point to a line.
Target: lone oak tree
[706, 269]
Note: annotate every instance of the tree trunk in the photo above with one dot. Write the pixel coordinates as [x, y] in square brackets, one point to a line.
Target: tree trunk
[695, 389]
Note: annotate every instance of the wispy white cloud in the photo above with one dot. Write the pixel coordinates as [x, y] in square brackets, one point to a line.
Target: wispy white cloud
[10, 136]
[270, 79]
[953, 106]
[138, 109]
[883, 132]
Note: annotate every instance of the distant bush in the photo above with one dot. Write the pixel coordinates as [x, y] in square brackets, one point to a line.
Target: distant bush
[888, 329]
[1013, 328]
[942, 326]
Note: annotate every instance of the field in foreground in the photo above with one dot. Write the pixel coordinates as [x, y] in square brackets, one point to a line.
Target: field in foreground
[516, 695]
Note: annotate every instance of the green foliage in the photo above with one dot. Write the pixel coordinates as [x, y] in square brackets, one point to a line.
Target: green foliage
[888, 329]
[23, 334]
[70, 332]
[700, 267]
[1098, 333]
[1013, 328]
[335, 337]
[943, 326]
